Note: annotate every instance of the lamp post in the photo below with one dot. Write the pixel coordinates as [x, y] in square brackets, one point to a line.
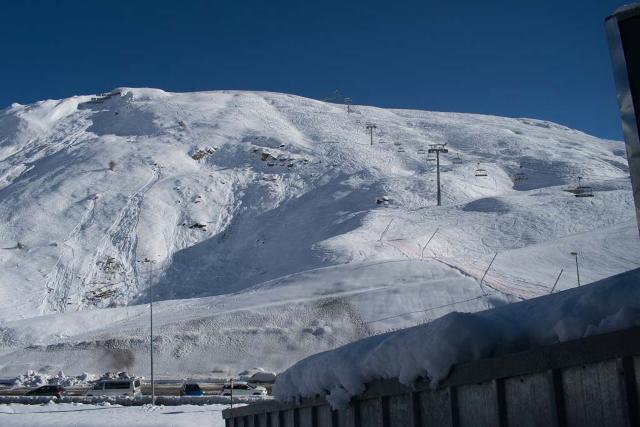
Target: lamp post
[153, 385]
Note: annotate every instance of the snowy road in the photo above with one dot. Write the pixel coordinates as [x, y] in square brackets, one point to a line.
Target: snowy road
[79, 415]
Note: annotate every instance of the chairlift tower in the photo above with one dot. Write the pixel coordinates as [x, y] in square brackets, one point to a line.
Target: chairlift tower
[370, 128]
[348, 102]
[437, 149]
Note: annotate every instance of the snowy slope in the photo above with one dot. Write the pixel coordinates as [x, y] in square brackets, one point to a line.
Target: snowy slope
[243, 199]
[271, 325]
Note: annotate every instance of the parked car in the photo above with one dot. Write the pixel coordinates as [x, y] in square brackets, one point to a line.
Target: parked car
[242, 388]
[47, 390]
[191, 389]
[130, 387]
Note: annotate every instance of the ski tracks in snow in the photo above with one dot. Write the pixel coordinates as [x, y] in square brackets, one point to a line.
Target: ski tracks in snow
[113, 264]
[60, 278]
[120, 243]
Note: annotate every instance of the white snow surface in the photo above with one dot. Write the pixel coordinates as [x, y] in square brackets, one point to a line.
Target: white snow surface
[81, 415]
[35, 379]
[259, 211]
[430, 350]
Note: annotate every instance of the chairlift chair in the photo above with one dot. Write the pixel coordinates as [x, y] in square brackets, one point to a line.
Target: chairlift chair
[583, 191]
[480, 171]
[520, 177]
[400, 150]
[421, 151]
[457, 160]
[431, 158]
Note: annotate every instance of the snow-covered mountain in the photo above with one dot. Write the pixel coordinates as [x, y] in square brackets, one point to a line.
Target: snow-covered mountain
[267, 227]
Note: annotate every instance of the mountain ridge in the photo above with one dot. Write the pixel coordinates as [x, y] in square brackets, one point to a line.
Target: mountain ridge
[227, 191]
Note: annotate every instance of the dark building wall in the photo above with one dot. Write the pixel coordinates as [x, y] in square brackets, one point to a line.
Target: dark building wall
[623, 32]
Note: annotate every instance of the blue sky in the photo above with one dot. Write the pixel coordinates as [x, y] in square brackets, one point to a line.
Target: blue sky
[524, 58]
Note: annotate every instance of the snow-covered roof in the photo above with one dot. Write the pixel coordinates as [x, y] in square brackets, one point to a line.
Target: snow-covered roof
[431, 349]
[626, 9]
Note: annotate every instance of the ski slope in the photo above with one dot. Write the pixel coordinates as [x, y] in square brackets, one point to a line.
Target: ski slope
[267, 227]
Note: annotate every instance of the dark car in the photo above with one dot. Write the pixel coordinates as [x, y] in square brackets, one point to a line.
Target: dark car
[191, 389]
[47, 390]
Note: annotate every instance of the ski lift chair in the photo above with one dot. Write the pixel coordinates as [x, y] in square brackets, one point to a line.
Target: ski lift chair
[400, 150]
[421, 151]
[520, 177]
[584, 191]
[457, 160]
[480, 171]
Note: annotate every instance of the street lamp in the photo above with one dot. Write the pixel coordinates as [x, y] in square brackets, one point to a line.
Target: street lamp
[153, 385]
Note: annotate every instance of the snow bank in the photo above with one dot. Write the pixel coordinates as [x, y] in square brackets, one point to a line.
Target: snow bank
[430, 350]
[132, 401]
[36, 379]
[257, 375]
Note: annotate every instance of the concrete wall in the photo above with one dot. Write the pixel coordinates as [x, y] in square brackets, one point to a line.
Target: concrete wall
[588, 382]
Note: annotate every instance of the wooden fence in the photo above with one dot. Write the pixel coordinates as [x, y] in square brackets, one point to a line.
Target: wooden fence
[587, 382]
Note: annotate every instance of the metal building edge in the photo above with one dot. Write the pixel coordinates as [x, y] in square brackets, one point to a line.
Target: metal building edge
[625, 97]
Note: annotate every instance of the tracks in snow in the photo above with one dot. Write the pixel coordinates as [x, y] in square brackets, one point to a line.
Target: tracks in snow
[61, 276]
[111, 274]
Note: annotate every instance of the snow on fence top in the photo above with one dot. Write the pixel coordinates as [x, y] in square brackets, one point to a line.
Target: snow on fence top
[430, 350]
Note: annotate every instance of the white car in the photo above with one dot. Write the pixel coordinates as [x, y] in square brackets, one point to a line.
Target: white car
[130, 387]
[243, 388]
